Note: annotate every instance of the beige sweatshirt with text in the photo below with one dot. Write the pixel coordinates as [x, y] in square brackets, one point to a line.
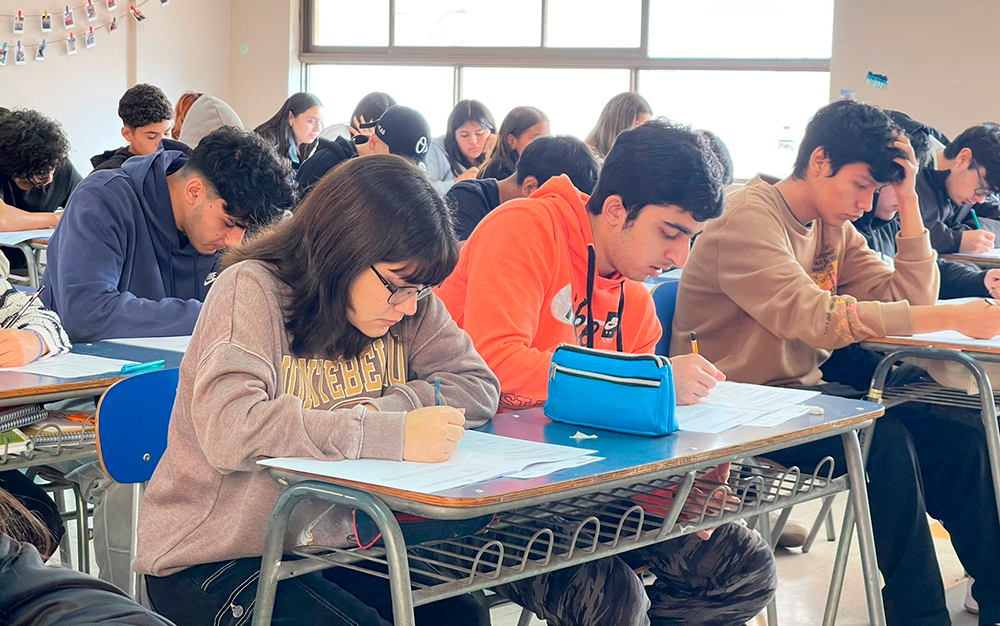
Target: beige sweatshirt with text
[770, 297]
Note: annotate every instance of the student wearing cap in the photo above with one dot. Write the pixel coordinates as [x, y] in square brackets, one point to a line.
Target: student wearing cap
[400, 130]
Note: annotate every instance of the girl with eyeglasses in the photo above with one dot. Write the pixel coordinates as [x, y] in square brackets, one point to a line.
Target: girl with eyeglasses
[322, 338]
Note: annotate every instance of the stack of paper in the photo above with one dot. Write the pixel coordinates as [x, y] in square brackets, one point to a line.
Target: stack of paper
[478, 457]
[731, 404]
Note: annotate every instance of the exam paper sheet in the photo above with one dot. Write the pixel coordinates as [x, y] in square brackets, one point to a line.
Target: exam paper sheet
[731, 404]
[169, 344]
[478, 457]
[71, 365]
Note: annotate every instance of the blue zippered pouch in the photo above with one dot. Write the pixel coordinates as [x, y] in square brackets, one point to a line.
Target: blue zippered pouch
[626, 393]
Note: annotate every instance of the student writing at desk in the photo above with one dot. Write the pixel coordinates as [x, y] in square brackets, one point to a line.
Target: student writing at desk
[36, 177]
[783, 278]
[321, 339]
[523, 285]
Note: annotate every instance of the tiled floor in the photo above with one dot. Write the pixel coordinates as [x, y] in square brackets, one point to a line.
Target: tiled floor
[804, 579]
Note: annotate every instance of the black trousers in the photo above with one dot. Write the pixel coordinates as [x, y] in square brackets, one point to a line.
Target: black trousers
[222, 594]
[36, 501]
[925, 459]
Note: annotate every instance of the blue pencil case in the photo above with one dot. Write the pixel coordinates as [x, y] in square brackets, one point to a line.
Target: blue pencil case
[626, 393]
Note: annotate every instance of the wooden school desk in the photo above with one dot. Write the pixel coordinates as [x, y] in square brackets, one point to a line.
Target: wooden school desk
[986, 261]
[970, 354]
[23, 388]
[597, 516]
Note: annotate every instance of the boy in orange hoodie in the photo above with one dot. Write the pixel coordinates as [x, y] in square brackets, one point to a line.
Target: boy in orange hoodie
[560, 266]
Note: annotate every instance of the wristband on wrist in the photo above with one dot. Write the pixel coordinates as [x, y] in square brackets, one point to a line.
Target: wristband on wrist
[41, 345]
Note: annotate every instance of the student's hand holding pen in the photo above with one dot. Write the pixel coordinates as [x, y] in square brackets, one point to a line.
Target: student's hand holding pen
[694, 377]
[992, 282]
[19, 347]
[979, 319]
[431, 433]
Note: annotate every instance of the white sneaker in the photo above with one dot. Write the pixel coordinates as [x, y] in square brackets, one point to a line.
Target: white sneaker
[793, 535]
[970, 603]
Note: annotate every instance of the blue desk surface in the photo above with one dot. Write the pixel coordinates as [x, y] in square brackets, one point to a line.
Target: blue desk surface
[628, 456]
[20, 387]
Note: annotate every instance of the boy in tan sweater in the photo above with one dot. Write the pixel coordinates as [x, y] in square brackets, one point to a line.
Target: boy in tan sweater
[785, 278]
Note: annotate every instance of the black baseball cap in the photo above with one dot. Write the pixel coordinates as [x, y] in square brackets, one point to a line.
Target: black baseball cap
[404, 130]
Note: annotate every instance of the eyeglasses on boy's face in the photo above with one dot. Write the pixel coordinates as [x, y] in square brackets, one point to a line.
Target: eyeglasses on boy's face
[983, 189]
[399, 295]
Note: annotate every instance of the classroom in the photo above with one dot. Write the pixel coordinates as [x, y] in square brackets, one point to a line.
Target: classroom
[521, 313]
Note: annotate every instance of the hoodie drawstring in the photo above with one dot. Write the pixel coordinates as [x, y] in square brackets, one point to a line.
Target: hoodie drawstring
[621, 311]
[591, 271]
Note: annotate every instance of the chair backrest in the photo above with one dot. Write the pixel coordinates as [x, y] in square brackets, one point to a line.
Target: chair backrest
[665, 300]
[132, 419]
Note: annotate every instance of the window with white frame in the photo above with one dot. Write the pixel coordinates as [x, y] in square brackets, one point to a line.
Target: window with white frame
[751, 72]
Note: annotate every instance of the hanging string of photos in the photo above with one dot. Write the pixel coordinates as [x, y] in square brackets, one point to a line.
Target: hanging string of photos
[25, 24]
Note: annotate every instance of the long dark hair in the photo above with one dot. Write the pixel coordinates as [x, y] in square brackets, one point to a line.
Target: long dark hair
[466, 111]
[503, 161]
[618, 115]
[279, 132]
[20, 524]
[379, 209]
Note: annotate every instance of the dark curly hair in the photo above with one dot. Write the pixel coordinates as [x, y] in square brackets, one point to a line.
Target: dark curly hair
[31, 145]
[663, 163]
[850, 131]
[143, 105]
[245, 172]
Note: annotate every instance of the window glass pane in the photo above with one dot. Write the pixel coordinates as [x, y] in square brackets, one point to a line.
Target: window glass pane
[510, 23]
[336, 23]
[759, 115]
[737, 29]
[571, 98]
[594, 24]
[426, 89]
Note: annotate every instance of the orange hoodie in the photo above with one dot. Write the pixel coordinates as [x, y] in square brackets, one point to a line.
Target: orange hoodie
[520, 289]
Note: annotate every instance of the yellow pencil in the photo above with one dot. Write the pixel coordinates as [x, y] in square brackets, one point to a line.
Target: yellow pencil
[694, 342]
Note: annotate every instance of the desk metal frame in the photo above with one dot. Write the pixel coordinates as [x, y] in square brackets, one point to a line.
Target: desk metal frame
[524, 544]
[32, 250]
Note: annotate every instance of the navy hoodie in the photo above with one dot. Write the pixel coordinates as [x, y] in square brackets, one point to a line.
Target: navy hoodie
[117, 265]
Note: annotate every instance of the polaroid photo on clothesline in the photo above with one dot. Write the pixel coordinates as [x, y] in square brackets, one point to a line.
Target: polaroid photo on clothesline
[90, 40]
[137, 14]
[113, 26]
[19, 55]
[71, 45]
[3, 55]
[91, 11]
[68, 20]
[40, 52]
[46, 22]
[19, 23]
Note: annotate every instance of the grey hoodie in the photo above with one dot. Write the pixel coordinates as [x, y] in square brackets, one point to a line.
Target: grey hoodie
[243, 394]
[207, 114]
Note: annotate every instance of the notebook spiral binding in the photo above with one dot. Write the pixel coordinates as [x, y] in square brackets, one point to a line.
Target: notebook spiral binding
[52, 435]
[21, 417]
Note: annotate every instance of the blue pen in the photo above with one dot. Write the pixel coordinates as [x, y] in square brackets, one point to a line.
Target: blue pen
[975, 218]
[437, 391]
[140, 367]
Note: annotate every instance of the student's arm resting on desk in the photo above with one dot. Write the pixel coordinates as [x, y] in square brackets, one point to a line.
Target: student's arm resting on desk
[438, 348]
[41, 324]
[87, 253]
[13, 218]
[866, 277]
[238, 407]
[508, 278]
[765, 280]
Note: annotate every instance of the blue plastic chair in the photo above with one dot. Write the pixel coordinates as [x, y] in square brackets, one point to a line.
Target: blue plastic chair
[665, 300]
[132, 419]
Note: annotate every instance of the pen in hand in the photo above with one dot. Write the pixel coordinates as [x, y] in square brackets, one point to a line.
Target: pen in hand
[694, 342]
[437, 391]
[12, 321]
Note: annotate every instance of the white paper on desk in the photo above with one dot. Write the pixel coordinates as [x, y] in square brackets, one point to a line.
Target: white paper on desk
[992, 254]
[169, 344]
[14, 237]
[951, 336]
[779, 417]
[544, 469]
[71, 365]
[713, 418]
[758, 397]
[478, 457]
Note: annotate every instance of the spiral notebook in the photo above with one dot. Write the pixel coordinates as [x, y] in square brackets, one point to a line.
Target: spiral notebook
[21, 416]
[56, 430]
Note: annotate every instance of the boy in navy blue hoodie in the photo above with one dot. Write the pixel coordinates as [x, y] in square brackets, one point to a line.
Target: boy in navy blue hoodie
[134, 253]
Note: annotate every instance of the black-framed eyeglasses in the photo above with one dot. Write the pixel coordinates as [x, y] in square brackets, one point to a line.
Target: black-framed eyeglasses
[399, 295]
[982, 190]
